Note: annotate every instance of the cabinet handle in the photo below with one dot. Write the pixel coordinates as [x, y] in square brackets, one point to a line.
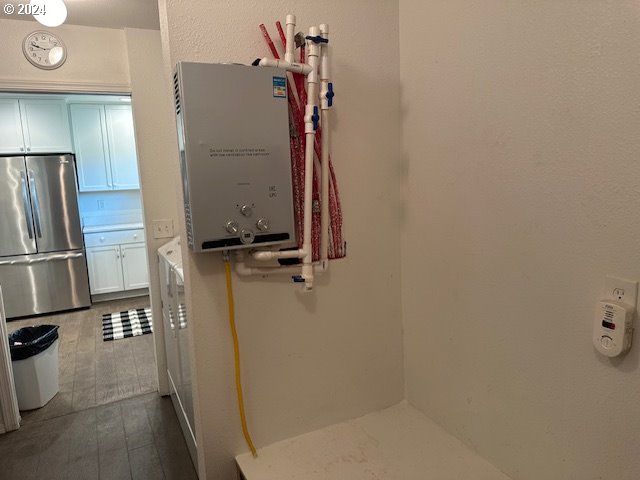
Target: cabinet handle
[28, 149]
[102, 239]
[22, 149]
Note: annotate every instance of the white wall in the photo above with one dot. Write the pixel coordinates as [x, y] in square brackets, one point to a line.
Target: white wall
[156, 143]
[308, 361]
[96, 59]
[521, 144]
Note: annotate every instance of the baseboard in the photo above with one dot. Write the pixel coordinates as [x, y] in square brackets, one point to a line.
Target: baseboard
[106, 297]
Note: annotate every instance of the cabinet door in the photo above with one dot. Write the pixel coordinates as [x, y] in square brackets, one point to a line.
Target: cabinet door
[45, 126]
[90, 138]
[134, 266]
[105, 269]
[122, 147]
[10, 127]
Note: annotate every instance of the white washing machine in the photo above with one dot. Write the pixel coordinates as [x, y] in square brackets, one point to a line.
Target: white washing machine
[176, 330]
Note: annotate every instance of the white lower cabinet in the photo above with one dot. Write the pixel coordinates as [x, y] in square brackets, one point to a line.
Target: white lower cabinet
[117, 261]
[134, 266]
[105, 269]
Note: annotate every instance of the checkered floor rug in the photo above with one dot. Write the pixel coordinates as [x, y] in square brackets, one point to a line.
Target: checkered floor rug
[130, 323]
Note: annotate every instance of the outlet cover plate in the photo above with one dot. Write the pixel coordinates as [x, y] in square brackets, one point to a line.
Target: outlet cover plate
[162, 228]
[621, 290]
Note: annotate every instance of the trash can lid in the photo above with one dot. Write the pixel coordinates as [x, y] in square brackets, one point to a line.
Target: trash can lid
[29, 341]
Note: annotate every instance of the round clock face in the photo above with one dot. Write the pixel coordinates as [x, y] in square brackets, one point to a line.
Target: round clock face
[44, 50]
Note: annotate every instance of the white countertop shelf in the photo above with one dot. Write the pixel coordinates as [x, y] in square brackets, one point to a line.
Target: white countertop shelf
[399, 443]
[112, 228]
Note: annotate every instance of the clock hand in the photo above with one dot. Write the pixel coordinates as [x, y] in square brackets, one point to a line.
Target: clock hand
[38, 46]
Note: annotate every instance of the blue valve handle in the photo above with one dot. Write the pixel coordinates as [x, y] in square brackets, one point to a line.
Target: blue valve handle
[330, 94]
[317, 39]
[315, 118]
[297, 279]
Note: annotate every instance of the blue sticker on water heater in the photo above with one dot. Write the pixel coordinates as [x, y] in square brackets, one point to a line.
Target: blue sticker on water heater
[280, 87]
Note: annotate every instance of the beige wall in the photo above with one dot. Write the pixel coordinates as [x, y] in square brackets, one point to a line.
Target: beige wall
[156, 142]
[308, 360]
[96, 59]
[521, 192]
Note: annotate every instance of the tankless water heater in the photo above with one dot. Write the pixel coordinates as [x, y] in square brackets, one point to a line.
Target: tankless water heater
[233, 134]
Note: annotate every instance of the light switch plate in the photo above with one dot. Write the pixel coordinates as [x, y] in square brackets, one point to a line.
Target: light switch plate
[621, 290]
[162, 228]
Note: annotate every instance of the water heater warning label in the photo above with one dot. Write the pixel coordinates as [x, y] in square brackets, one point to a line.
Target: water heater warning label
[280, 87]
[243, 152]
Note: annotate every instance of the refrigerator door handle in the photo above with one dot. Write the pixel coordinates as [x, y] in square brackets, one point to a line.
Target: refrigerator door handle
[48, 258]
[25, 203]
[36, 204]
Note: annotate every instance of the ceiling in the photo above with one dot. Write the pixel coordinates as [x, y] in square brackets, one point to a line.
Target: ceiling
[103, 13]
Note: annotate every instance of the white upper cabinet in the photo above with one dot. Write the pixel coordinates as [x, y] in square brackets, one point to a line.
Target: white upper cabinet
[11, 140]
[105, 147]
[34, 126]
[45, 126]
[92, 158]
[122, 147]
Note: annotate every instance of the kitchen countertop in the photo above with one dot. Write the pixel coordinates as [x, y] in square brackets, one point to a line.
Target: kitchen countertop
[112, 228]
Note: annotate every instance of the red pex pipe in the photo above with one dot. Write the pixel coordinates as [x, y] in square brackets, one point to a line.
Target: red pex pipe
[297, 142]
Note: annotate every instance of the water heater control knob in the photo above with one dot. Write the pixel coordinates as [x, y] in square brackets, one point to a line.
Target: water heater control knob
[262, 224]
[232, 227]
[246, 210]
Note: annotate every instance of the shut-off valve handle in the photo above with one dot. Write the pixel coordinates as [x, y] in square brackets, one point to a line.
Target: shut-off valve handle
[330, 94]
[317, 39]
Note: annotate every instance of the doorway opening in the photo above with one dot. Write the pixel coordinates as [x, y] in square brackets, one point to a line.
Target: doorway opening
[77, 256]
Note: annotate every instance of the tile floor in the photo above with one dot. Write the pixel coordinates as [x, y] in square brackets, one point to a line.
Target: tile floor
[94, 372]
[107, 422]
[134, 439]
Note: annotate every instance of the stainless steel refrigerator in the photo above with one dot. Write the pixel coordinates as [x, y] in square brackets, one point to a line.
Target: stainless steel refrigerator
[42, 260]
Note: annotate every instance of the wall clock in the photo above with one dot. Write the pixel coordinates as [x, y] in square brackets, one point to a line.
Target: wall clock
[44, 50]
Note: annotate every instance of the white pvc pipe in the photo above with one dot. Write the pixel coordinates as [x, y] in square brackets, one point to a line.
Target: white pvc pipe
[264, 255]
[313, 52]
[325, 146]
[318, 61]
[290, 35]
[243, 270]
[294, 67]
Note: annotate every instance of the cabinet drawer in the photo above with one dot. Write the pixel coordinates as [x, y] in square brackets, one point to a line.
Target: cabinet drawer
[114, 238]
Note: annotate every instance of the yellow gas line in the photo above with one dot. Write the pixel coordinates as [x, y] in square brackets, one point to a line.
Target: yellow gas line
[236, 354]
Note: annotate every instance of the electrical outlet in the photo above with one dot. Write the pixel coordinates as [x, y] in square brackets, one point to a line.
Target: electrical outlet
[621, 290]
[162, 228]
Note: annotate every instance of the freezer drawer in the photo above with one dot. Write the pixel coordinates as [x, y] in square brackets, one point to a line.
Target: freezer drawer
[42, 283]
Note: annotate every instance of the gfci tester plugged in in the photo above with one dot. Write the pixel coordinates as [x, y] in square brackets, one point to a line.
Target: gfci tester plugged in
[613, 321]
[612, 328]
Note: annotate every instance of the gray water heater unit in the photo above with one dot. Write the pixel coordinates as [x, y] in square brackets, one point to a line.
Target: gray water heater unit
[233, 134]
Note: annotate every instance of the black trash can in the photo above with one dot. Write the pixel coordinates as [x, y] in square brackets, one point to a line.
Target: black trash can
[34, 358]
